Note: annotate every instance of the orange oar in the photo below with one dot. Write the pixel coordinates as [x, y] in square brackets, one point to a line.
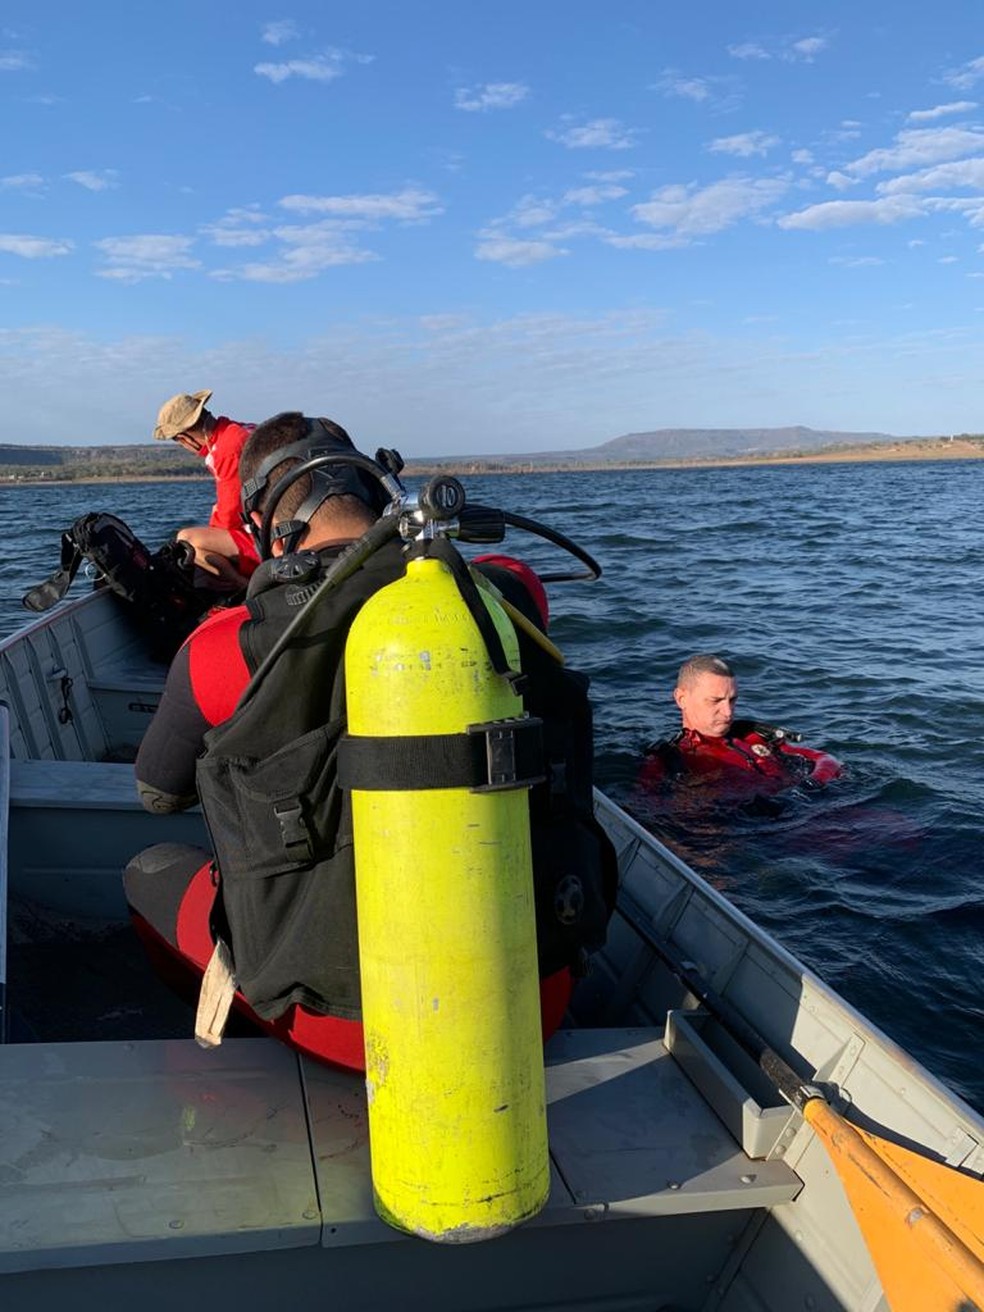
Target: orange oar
[922, 1221]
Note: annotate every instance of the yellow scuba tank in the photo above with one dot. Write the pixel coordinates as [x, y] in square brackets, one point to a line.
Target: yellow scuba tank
[447, 938]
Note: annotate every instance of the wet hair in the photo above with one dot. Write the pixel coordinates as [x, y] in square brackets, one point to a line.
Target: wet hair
[284, 430]
[703, 663]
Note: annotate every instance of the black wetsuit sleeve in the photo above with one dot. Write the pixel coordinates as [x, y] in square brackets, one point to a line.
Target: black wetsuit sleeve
[165, 766]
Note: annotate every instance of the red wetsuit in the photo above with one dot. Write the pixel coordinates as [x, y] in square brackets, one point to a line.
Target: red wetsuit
[222, 450]
[171, 900]
[750, 757]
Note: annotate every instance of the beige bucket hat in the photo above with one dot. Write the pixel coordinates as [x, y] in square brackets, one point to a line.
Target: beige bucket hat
[179, 414]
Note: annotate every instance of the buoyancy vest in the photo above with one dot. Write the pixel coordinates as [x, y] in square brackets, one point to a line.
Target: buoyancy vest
[281, 828]
[281, 825]
[750, 746]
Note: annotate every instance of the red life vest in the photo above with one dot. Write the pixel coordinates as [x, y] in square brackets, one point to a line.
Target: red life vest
[750, 756]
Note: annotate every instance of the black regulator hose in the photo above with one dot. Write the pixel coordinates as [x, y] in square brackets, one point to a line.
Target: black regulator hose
[593, 569]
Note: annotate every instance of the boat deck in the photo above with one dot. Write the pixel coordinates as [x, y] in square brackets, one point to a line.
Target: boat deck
[133, 1153]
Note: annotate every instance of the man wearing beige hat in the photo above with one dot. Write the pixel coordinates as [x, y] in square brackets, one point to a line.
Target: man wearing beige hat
[224, 542]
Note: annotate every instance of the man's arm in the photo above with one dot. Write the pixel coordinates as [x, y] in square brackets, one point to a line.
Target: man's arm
[165, 766]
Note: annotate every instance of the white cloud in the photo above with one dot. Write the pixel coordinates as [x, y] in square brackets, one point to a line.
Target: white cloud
[960, 173]
[919, 147]
[744, 144]
[855, 261]
[146, 255]
[324, 67]
[319, 69]
[610, 175]
[599, 133]
[941, 111]
[589, 196]
[840, 180]
[530, 212]
[846, 213]
[948, 259]
[692, 211]
[492, 95]
[513, 253]
[22, 182]
[808, 48]
[802, 156]
[967, 75]
[35, 248]
[309, 250]
[412, 204]
[644, 241]
[300, 252]
[748, 50]
[277, 34]
[104, 180]
[13, 61]
[972, 208]
[236, 238]
[240, 226]
[719, 93]
[672, 83]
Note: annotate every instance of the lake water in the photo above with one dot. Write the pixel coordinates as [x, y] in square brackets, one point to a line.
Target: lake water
[850, 599]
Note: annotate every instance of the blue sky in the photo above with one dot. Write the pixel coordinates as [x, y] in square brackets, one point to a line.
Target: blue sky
[471, 227]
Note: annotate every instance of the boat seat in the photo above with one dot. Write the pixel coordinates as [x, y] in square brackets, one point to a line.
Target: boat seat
[98, 813]
[70, 785]
[174, 1152]
[630, 1137]
[124, 1152]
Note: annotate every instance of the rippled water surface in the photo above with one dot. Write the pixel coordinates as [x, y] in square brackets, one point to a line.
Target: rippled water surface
[850, 599]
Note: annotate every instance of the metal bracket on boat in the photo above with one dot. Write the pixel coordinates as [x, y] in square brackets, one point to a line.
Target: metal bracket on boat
[65, 715]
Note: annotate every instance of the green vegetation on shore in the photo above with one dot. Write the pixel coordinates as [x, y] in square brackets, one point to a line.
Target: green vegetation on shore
[74, 464]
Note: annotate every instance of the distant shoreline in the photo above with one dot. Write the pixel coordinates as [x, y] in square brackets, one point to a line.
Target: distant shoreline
[939, 449]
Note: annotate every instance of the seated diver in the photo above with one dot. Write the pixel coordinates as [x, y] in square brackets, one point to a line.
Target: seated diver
[294, 936]
[224, 551]
[713, 747]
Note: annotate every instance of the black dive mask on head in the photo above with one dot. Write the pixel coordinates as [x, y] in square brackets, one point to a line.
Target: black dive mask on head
[334, 467]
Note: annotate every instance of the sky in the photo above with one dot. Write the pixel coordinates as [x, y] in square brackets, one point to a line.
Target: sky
[461, 227]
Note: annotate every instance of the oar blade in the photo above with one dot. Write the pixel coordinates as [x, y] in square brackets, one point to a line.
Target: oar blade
[957, 1199]
[923, 1264]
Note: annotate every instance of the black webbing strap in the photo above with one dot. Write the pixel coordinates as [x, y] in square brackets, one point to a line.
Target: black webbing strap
[485, 758]
[46, 594]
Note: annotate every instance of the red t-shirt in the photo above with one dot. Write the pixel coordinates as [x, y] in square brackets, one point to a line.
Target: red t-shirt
[223, 448]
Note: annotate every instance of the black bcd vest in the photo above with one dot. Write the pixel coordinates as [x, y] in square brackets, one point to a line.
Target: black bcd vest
[281, 825]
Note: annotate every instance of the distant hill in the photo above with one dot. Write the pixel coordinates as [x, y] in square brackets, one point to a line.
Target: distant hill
[672, 443]
[661, 446]
[692, 444]
[73, 463]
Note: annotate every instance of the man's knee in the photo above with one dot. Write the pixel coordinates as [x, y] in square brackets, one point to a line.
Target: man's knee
[155, 881]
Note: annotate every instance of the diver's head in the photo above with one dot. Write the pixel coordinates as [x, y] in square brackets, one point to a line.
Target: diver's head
[706, 693]
[184, 419]
[329, 504]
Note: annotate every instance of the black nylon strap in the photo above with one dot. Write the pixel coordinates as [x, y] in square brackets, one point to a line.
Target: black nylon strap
[485, 758]
[51, 591]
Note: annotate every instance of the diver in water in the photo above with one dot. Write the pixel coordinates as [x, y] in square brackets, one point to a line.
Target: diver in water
[712, 747]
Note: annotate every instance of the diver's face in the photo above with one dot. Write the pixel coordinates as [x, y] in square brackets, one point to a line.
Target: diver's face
[707, 704]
